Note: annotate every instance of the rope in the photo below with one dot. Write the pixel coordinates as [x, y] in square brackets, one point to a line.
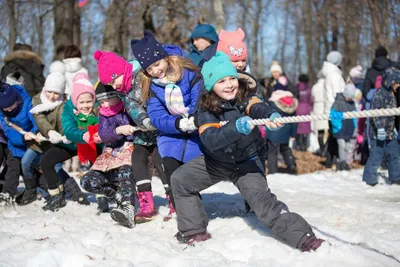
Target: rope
[345, 115]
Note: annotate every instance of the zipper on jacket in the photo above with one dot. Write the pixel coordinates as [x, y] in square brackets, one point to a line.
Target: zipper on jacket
[184, 148]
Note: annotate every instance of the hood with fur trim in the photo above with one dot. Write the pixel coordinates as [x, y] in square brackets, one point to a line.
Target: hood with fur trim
[23, 54]
[278, 95]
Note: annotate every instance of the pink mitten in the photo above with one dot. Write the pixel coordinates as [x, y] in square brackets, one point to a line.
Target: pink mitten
[360, 139]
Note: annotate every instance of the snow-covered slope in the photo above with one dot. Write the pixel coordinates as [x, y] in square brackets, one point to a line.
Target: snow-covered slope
[355, 218]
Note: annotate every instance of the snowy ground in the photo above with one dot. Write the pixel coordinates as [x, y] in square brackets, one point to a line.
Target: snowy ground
[353, 217]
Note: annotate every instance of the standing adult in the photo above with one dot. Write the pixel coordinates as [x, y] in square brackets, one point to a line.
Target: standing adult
[304, 108]
[29, 64]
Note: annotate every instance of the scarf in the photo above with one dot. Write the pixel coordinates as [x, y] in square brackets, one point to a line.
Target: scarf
[112, 110]
[46, 105]
[127, 80]
[87, 152]
[174, 100]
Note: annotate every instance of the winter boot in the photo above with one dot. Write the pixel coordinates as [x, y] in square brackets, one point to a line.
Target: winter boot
[171, 210]
[74, 192]
[311, 243]
[57, 199]
[7, 200]
[124, 215]
[147, 211]
[292, 170]
[342, 166]
[29, 195]
[102, 204]
[190, 239]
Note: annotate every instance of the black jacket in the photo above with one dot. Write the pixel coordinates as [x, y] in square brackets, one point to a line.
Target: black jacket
[30, 65]
[224, 145]
[378, 66]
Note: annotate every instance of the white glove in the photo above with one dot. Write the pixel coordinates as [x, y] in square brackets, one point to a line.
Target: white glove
[147, 123]
[126, 130]
[191, 127]
[54, 137]
[184, 124]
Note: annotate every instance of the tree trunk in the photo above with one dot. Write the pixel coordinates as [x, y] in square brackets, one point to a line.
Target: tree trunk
[12, 34]
[76, 30]
[376, 21]
[334, 10]
[308, 15]
[63, 23]
[255, 34]
[115, 28]
[218, 6]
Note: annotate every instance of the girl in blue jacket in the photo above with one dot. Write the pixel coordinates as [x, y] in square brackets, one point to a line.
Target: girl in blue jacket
[233, 151]
[170, 87]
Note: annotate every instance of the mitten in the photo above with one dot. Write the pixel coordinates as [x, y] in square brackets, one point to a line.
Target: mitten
[243, 125]
[273, 117]
[381, 134]
[182, 124]
[54, 137]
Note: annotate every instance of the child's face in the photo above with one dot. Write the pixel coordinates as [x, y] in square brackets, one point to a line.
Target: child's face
[226, 88]
[201, 43]
[85, 103]
[11, 108]
[109, 102]
[395, 86]
[117, 82]
[158, 69]
[239, 65]
[276, 75]
[52, 96]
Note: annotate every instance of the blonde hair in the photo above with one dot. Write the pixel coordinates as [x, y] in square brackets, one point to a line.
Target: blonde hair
[176, 68]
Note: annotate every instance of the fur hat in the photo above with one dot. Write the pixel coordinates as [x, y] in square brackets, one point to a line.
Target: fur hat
[232, 44]
[15, 78]
[275, 67]
[334, 57]
[8, 95]
[109, 66]
[147, 50]
[81, 85]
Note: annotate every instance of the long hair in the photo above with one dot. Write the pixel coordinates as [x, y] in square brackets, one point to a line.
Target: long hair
[212, 103]
[176, 68]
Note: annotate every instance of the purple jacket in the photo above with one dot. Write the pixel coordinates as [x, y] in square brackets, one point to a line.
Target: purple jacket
[305, 107]
[107, 131]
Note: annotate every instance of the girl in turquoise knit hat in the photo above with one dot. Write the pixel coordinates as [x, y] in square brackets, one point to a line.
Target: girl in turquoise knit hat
[233, 151]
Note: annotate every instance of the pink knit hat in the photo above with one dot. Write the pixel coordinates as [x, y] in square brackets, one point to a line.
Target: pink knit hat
[109, 66]
[232, 44]
[81, 85]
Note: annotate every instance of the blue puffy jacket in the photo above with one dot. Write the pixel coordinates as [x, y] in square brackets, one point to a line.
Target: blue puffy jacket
[24, 120]
[171, 142]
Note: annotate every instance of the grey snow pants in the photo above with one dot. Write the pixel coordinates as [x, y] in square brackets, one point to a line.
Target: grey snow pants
[199, 174]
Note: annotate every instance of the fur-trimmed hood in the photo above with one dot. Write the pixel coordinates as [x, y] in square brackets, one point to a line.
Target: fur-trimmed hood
[278, 95]
[25, 55]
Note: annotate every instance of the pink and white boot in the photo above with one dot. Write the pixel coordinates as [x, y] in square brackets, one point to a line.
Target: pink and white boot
[147, 211]
[171, 211]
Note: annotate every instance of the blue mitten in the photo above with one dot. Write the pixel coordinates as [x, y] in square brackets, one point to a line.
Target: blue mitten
[274, 116]
[381, 134]
[243, 126]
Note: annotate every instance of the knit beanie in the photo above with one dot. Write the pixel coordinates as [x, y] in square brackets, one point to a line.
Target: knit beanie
[275, 67]
[147, 50]
[381, 52]
[15, 78]
[206, 31]
[356, 72]
[109, 66]
[81, 85]
[104, 91]
[232, 44]
[55, 81]
[8, 95]
[349, 91]
[218, 67]
[334, 57]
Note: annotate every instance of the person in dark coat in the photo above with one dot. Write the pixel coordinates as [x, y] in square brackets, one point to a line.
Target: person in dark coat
[304, 108]
[233, 151]
[29, 64]
[380, 63]
[344, 131]
[383, 134]
[204, 41]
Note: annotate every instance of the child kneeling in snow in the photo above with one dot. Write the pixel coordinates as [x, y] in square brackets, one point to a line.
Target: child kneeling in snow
[232, 152]
[344, 130]
[113, 166]
[383, 134]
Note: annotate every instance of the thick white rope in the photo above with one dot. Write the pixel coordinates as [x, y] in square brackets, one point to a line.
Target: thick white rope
[346, 115]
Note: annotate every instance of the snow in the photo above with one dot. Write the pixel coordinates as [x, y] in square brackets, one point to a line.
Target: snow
[355, 218]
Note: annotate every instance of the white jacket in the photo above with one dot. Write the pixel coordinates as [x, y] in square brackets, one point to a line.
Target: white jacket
[334, 84]
[72, 67]
[318, 94]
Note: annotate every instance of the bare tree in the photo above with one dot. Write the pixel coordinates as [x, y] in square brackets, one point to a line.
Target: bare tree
[12, 33]
[218, 6]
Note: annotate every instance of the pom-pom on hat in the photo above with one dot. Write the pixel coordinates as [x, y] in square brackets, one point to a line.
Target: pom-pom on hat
[109, 66]
[8, 95]
[232, 44]
[218, 67]
[81, 85]
[147, 50]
